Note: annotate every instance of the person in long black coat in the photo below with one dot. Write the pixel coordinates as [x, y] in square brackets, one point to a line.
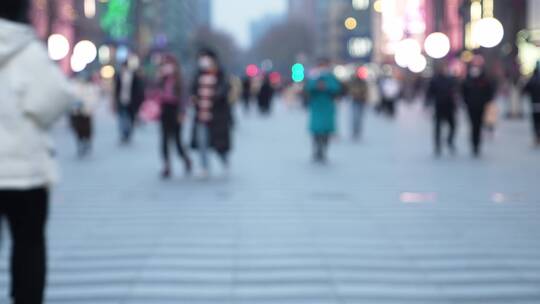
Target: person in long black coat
[441, 94]
[532, 88]
[265, 96]
[478, 91]
[213, 117]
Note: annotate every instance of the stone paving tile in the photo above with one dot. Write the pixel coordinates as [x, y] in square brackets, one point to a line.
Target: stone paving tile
[384, 223]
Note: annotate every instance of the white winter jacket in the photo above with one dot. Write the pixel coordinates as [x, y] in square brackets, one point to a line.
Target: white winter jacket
[34, 94]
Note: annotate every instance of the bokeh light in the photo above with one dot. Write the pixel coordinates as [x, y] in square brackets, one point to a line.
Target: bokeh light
[362, 72]
[488, 32]
[58, 46]
[86, 51]
[77, 63]
[437, 45]
[107, 72]
[252, 70]
[417, 64]
[298, 72]
[406, 50]
[351, 23]
[377, 6]
[104, 54]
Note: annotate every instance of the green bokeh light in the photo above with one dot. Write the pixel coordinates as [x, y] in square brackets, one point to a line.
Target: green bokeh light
[298, 72]
[116, 19]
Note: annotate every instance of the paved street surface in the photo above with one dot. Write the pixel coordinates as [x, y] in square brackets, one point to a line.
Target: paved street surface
[384, 222]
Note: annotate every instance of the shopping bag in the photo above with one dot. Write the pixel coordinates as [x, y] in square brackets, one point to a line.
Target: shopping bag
[150, 110]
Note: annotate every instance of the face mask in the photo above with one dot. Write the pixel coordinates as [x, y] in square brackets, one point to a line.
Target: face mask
[167, 69]
[206, 63]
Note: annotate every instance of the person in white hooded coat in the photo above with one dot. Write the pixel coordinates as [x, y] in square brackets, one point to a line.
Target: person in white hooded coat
[34, 94]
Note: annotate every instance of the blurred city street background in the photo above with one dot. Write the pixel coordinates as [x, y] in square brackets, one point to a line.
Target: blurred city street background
[331, 185]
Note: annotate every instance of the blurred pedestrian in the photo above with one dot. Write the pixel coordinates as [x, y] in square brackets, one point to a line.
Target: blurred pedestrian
[322, 90]
[213, 117]
[478, 91]
[532, 88]
[235, 91]
[247, 95]
[441, 94]
[35, 94]
[358, 91]
[265, 96]
[88, 96]
[172, 113]
[128, 97]
[390, 90]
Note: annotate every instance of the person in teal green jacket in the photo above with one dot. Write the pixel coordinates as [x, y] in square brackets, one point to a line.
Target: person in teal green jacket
[322, 91]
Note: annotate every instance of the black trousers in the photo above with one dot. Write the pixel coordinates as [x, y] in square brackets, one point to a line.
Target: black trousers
[388, 106]
[321, 142]
[536, 125]
[442, 117]
[26, 214]
[246, 99]
[171, 130]
[476, 117]
[82, 126]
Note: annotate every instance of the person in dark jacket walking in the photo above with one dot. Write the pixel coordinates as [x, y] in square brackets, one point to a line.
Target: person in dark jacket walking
[441, 94]
[128, 97]
[390, 91]
[358, 91]
[213, 117]
[172, 113]
[81, 115]
[478, 91]
[246, 93]
[265, 96]
[532, 88]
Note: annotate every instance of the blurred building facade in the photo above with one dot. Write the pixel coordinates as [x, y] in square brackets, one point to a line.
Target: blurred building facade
[314, 14]
[364, 30]
[170, 24]
[327, 21]
[259, 28]
[354, 31]
[137, 26]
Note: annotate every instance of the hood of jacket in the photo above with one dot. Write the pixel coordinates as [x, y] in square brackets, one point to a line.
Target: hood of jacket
[13, 38]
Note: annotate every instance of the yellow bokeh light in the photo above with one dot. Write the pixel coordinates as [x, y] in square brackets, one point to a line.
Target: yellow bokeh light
[351, 23]
[107, 72]
[467, 56]
[377, 6]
